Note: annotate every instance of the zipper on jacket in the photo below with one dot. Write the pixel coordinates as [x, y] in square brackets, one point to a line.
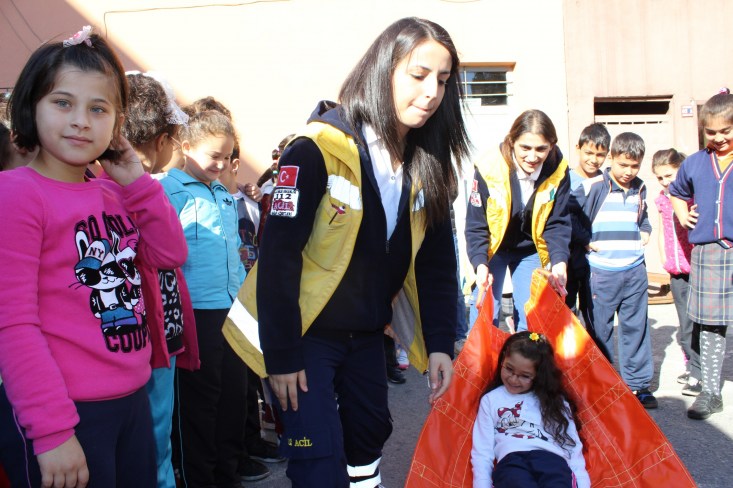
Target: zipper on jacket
[223, 227]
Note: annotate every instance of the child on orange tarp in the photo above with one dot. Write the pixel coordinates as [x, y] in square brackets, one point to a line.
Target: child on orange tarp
[526, 422]
[675, 249]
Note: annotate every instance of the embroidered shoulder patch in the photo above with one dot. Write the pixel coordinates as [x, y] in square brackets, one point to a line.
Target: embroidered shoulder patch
[288, 176]
[284, 202]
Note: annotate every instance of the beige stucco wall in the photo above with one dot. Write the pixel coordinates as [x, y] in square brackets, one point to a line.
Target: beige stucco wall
[619, 48]
[647, 48]
[271, 61]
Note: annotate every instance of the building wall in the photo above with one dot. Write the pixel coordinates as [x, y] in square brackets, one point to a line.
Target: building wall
[271, 61]
[647, 48]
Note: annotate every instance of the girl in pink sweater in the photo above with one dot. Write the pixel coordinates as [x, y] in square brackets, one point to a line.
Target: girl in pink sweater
[74, 341]
[675, 249]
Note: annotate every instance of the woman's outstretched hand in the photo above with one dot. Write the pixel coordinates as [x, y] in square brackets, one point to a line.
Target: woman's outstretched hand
[559, 278]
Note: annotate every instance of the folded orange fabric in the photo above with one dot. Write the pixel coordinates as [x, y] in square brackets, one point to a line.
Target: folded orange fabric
[623, 446]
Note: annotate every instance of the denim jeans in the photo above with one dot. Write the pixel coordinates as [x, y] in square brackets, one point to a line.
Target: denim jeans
[521, 266]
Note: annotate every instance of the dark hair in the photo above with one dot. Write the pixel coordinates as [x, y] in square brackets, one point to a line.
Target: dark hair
[666, 157]
[208, 123]
[720, 105]
[367, 97]
[628, 144]
[148, 111]
[235, 149]
[597, 134]
[281, 146]
[547, 384]
[208, 103]
[38, 76]
[6, 145]
[529, 121]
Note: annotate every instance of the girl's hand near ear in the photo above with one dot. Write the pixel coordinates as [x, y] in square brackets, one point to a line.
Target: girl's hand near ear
[64, 466]
[126, 166]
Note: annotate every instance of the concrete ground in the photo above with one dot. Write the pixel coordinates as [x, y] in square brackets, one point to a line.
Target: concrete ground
[706, 447]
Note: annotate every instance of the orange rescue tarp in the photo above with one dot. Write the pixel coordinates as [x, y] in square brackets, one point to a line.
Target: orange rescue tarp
[623, 446]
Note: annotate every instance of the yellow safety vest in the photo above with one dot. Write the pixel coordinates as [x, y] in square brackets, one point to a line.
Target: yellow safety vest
[327, 255]
[495, 172]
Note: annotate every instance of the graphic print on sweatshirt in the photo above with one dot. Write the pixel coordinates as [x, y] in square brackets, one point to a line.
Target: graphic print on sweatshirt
[510, 424]
[170, 293]
[106, 266]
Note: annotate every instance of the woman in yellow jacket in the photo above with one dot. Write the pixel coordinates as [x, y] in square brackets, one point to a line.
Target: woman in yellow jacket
[516, 215]
[358, 237]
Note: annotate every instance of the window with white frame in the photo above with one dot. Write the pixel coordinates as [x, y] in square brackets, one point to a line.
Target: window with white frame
[486, 85]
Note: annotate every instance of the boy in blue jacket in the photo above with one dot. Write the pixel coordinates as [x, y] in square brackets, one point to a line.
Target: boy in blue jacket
[614, 203]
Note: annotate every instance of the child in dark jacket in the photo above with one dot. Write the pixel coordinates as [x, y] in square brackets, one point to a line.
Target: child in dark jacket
[615, 206]
[592, 148]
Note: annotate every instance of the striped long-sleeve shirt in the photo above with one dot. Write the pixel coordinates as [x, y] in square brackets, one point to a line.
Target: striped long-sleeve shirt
[617, 217]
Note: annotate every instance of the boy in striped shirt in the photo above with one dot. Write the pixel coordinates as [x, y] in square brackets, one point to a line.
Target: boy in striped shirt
[614, 203]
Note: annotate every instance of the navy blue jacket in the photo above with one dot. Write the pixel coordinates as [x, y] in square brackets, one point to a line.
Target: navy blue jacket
[362, 301]
[700, 175]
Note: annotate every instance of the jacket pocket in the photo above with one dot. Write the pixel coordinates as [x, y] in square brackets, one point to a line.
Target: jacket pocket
[328, 241]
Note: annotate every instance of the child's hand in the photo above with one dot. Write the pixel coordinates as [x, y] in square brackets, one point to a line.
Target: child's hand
[126, 167]
[644, 238]
[253, 192]
[691, 220]
[64, 466]
[440, 373]
[592, 247]
[285, 387]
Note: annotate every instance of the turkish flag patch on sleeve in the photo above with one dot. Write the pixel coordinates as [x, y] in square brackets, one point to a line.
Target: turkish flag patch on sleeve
[288, 176]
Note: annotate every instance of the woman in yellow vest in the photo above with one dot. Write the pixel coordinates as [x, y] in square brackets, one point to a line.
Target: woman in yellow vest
[516, 214]
[358, 237]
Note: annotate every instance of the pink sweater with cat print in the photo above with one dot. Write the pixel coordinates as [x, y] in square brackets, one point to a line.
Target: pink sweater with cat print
[71, 307]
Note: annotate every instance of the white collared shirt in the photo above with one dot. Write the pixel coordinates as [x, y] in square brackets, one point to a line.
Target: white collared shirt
[388, 180]
[527, 181]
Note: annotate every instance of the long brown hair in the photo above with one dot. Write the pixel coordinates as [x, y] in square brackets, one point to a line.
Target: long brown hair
[547, 384]
[529, 121]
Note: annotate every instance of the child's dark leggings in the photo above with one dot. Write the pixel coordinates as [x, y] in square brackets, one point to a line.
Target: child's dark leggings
[116, 436]
[533, 469]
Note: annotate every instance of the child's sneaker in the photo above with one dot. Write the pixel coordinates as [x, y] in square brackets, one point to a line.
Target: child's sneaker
[402, 361]
[646, 398]
[683, 378]
[705, 405]
[692, 388]
[264, 452]
[251, 470]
